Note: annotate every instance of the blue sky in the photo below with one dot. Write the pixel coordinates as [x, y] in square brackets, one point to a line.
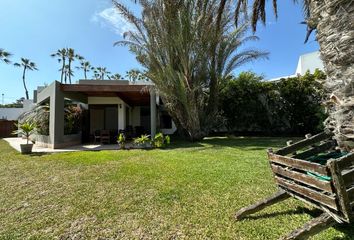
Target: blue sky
[36, 28]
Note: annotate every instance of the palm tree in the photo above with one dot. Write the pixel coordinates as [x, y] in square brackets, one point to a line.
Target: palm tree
[116, 77]
[71, 55]
[133, 75]
[4, 56]
[26, 64]
[187, 52]
[68, 72]
[61, 56]
[333, 22]
[86, 67]
[101, 72]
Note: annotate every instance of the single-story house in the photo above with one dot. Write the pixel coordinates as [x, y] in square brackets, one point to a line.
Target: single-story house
[109, 105]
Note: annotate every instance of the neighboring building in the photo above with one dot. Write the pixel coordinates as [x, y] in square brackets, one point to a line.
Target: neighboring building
[307, 62]
[111, 105]
[12, 114]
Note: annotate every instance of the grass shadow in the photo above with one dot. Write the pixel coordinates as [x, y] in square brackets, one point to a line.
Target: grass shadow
[299, 210]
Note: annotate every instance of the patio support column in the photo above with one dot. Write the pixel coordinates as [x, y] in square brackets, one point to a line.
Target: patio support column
[121, 116]
[56, 117]
[153, 113]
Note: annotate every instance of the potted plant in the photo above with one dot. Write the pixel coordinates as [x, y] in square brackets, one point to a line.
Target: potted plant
[121, 141]
[143, 141]
[26, 129]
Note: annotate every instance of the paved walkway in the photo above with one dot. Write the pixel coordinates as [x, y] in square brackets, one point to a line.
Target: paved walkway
[15, 143]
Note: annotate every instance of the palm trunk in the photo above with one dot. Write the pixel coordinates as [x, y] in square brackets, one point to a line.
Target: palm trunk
[62, 70]
[85, 73]
[334, 21]
[69, 71]
[24, 81]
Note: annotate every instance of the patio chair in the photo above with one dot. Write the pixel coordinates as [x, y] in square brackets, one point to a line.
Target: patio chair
[105, 137]
[97, 136]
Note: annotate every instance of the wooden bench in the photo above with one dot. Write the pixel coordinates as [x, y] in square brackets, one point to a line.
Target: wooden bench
[328, 187]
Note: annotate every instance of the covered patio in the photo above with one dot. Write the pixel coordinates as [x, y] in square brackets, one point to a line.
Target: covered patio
[114, 106]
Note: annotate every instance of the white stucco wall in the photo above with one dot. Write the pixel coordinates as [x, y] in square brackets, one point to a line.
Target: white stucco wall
[13, 113]
[309, 62]
[10, 113]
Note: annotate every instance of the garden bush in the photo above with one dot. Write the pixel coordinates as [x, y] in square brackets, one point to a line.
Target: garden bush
[288, 106]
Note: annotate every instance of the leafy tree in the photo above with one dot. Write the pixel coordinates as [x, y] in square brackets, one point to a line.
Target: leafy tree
[289, 106]
[188, 47]
[5, 56]
[26, 64]
[332, 21]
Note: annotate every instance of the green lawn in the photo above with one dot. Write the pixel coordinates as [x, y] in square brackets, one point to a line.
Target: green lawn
[190, 191]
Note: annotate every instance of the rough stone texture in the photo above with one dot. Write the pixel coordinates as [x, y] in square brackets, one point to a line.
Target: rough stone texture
[334, 21]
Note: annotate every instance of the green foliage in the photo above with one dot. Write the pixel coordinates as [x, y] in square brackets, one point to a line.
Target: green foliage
[40, 117]
[26, 129]
[72, 119]
[291, 106]
[187, 48]
[142, 140]
[121, 140]
[160, 140]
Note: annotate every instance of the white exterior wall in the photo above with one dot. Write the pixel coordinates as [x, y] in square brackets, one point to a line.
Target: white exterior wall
[11, 114]
[309, 62]
[171, 130]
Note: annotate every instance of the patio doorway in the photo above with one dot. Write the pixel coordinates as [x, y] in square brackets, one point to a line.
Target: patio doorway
[103, 117]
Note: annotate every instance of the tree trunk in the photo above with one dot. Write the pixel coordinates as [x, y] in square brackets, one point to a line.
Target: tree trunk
[334, 21]
[62, 70]
[24, 81]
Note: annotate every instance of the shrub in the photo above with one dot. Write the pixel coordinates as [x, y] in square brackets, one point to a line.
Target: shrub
[142, 140]
[121, 141]
[160, 140]
[287, 106]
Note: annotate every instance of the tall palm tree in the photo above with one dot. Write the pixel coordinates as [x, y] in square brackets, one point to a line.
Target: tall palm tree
[26, 64]
[333, 22]
[102, 72]
[133, 75]
[61, 56]
[86, 67]
[187, 51]
[116, 77]
[72, 56]
[4, 56]
[68, 72]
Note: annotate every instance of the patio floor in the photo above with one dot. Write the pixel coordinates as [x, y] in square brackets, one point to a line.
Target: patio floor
[15, 143]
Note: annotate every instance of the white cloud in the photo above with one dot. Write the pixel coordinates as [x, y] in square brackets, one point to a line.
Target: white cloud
[111, 18]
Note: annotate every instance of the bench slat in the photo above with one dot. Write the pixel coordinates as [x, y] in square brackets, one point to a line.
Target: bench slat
[303, 178]
[298, 164]
[348, 177]
[351, 194]
[311, 194]
[346, 161]
[304, 143]
[316, 150]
